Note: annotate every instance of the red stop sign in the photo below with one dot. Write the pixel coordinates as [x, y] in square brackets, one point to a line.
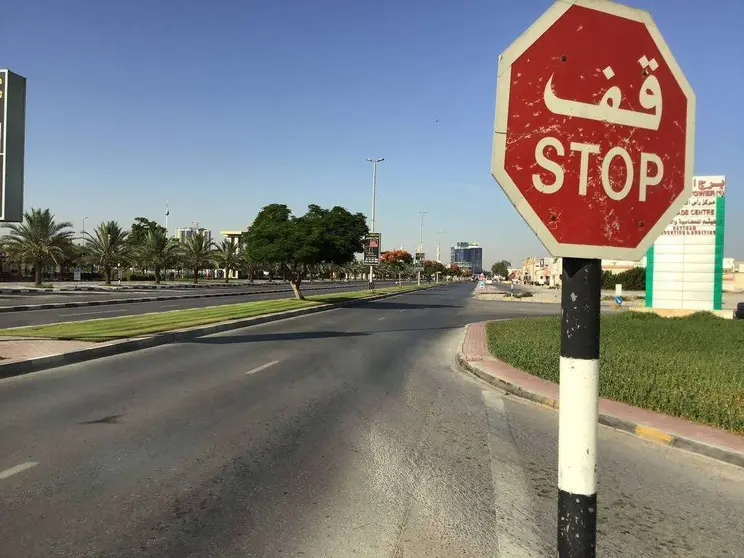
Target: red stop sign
[594, 130]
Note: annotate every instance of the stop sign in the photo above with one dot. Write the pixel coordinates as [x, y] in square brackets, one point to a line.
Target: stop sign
[594, 133]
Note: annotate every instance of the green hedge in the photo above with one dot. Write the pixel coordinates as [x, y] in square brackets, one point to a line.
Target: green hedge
[631, 280]
[688, 367]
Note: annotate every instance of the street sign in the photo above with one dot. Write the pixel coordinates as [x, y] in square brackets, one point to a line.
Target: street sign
[594, 131]
[372, 243]
[12, 145]
[418, 261]
[77, 274]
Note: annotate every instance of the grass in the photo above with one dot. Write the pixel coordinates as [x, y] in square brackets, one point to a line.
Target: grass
[687, 367]
[106, 329]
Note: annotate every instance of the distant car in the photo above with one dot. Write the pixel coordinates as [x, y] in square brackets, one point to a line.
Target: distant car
[739, 313]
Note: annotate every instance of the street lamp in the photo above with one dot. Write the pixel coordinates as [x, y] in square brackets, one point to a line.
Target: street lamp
[421, 241]
[374, 198]
[82, 238]
[439, 241]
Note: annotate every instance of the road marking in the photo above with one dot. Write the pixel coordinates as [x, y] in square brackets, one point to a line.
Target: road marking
[17, 469]
[516, 533]
[93, 313]
[380, 319]
[262, 367]
[168, 305]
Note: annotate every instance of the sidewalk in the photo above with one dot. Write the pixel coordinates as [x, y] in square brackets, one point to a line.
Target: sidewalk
[474, 357]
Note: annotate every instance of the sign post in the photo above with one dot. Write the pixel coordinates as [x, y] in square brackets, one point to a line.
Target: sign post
[418, 265]
[12, 145]
[593, 144]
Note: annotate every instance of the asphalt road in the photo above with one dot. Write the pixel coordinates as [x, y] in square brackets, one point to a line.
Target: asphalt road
[36, 317]
[346, 433]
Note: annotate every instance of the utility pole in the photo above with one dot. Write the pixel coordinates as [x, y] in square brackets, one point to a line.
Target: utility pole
[421, 241]
[439, 240]
[374, 198]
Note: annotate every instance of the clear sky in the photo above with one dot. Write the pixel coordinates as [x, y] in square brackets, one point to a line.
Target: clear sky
[223, 107]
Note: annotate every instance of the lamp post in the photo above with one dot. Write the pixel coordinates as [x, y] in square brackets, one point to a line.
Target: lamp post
[82, 237]
[421, 241]
[374, 198]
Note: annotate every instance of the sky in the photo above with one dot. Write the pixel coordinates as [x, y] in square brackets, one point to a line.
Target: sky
[222, 107]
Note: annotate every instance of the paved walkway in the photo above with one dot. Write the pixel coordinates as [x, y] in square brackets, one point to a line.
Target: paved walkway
[713, 442]
[15, 348]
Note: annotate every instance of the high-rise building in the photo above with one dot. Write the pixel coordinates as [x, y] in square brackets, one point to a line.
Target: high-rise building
[187, 232]
[467, 256]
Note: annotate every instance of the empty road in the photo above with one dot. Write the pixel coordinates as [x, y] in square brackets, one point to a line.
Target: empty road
[346, 433]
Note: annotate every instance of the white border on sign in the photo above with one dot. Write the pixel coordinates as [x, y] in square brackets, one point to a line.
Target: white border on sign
[507, 58]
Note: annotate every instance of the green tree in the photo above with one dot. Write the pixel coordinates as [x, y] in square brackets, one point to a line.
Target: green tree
[227, 257]
[157, 252]
[107, 247]
[137, 235]
[501, 268]
[197, 253]
[39, 240]
[331, 236]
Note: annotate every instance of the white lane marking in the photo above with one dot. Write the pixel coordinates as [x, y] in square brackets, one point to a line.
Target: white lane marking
[17, 469]
[168, 305]
[262, 367]
[93, 313]
[512, 495]
[380, 319]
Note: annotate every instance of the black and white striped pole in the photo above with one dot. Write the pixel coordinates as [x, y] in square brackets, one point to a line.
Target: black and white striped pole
[578, 410]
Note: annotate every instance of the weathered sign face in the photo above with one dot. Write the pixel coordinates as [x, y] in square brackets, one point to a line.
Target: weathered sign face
[594, 130]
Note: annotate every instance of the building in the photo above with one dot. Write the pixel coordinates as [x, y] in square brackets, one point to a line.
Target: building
[467, 256]
[188, 232]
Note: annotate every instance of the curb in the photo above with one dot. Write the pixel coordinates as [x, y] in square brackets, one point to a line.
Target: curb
[28, 366]
[85, 303]
[636, 429]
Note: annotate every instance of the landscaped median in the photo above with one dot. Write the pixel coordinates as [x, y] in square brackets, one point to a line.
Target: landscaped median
[685, 367]
[107, 329]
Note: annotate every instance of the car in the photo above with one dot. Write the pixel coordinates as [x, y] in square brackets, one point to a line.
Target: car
[739, 312]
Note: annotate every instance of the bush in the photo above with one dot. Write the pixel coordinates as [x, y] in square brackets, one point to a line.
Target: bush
[631, 280]
[686, 367]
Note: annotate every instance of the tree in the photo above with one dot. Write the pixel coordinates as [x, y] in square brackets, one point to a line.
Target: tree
[331, 236]
[431, 268]
[107, 247]
[141, 227]
[501, 269]
[39, 239]
[197, 253]
[227, 257]
[396, 256]
[157, 251]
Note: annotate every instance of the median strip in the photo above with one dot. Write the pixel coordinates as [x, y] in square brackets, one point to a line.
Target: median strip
[107, 329]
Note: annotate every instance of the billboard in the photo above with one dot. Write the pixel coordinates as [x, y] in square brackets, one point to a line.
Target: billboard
[371, 244]
[684, 267]
[12, 145]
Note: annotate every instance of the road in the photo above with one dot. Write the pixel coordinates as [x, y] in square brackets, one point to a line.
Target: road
[346, 433]
[36, 317]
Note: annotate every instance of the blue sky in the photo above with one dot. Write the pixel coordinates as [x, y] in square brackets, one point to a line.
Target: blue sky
[223, 107]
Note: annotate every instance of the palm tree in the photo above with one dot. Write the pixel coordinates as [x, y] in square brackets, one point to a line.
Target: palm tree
[227, 257]
[107, 247]
[39, 239]
[158, 252]
[196, 254]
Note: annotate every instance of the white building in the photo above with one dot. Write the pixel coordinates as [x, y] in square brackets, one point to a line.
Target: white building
[188, 232]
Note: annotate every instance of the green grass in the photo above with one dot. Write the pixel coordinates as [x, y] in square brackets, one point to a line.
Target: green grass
[687, 367]
[106, 329]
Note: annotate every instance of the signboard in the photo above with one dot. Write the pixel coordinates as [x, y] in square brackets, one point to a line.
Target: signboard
[77, 274]
[372, 243]
[594, 130]
[684, 267]
[12, 145]
[418, 261]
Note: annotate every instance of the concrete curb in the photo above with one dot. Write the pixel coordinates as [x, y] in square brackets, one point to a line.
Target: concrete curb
[21, 367]
[85, 303]
[636, 429]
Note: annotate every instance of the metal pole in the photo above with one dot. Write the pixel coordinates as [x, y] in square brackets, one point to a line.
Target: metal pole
[578, 411]
[374, 198]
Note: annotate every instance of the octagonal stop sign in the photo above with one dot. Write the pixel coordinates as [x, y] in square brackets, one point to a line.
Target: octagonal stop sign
[594, 133]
